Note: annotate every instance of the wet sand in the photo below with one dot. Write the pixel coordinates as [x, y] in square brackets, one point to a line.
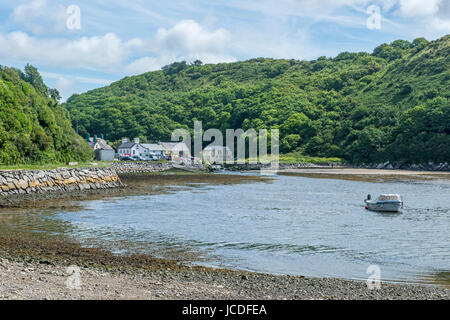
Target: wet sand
[370, 175]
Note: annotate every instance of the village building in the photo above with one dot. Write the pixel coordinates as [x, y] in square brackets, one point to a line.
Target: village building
[176, 149]
[217, 154]
[131, 149]
[153, 149]
[102, 150]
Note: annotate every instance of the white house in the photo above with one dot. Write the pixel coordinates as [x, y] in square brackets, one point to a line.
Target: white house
[102, 151]
[131, 149]
[176, 149]
[217, 154]
[153, 149]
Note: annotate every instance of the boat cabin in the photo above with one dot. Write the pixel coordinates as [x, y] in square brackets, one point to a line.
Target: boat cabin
[389, 197]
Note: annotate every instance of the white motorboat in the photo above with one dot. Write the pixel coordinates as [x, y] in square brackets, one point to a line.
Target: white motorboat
[385, 203]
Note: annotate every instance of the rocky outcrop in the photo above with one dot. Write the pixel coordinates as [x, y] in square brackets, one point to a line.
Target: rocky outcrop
[281, 166]
[63, 179]
[430, 166]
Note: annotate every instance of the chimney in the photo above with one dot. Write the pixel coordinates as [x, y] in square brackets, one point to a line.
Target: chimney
[136, 140]
[124, 140]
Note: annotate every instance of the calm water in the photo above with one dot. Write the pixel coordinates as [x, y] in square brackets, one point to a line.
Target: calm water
[292, 225]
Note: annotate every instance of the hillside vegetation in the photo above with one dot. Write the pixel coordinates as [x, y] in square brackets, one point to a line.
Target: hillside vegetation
[34, 127]
[392, 104]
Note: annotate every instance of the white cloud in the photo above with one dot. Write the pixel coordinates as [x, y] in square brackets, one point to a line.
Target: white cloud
[281, 29]
[98, 52]
[29, 10]
[67, 84]
[40, 18]
[188, 37]
[145, 64]
[66, 78]
[440, 24]
[387, 5]
[431, 14]
[188, 41]
[414, 8]
[323, 10]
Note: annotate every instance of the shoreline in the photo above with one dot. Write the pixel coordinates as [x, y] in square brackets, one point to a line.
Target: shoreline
[104, 276]
[367, 175]
[35, 267]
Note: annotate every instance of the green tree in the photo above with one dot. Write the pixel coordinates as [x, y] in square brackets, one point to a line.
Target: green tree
[33, 76]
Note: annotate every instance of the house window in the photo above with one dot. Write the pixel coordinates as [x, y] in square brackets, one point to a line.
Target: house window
[181, 153]
[134, 151]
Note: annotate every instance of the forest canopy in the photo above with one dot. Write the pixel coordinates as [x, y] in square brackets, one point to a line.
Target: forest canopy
[34, 127]
[392, 104]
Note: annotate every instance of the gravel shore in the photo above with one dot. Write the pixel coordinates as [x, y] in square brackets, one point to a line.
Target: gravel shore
[22, 280]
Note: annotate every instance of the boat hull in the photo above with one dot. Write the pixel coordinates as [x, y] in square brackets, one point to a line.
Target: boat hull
[384, 206]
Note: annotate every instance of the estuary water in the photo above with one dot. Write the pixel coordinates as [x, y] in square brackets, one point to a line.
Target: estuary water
[287, 225]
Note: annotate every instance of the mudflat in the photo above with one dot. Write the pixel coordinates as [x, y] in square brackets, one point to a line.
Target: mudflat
[373, 175]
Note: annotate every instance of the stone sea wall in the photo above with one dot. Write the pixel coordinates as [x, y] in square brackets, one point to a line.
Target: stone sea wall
[148, 167]
[140, 167]
[62, 179]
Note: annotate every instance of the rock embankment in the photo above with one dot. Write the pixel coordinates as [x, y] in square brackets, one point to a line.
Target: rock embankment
[57, 180]
[430, 166]
[281, 166]
[140, 167]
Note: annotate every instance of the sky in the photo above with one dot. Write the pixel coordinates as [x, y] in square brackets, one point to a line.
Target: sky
[79, 45]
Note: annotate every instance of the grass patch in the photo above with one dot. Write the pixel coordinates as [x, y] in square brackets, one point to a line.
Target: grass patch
[49, 166]
[297, 157]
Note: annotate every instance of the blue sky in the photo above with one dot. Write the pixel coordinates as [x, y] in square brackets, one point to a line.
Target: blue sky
[119, 38]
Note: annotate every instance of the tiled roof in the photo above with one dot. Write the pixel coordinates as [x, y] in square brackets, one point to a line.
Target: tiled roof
[127, 145]
[103, 145]
[174, 145]
[153, 146]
